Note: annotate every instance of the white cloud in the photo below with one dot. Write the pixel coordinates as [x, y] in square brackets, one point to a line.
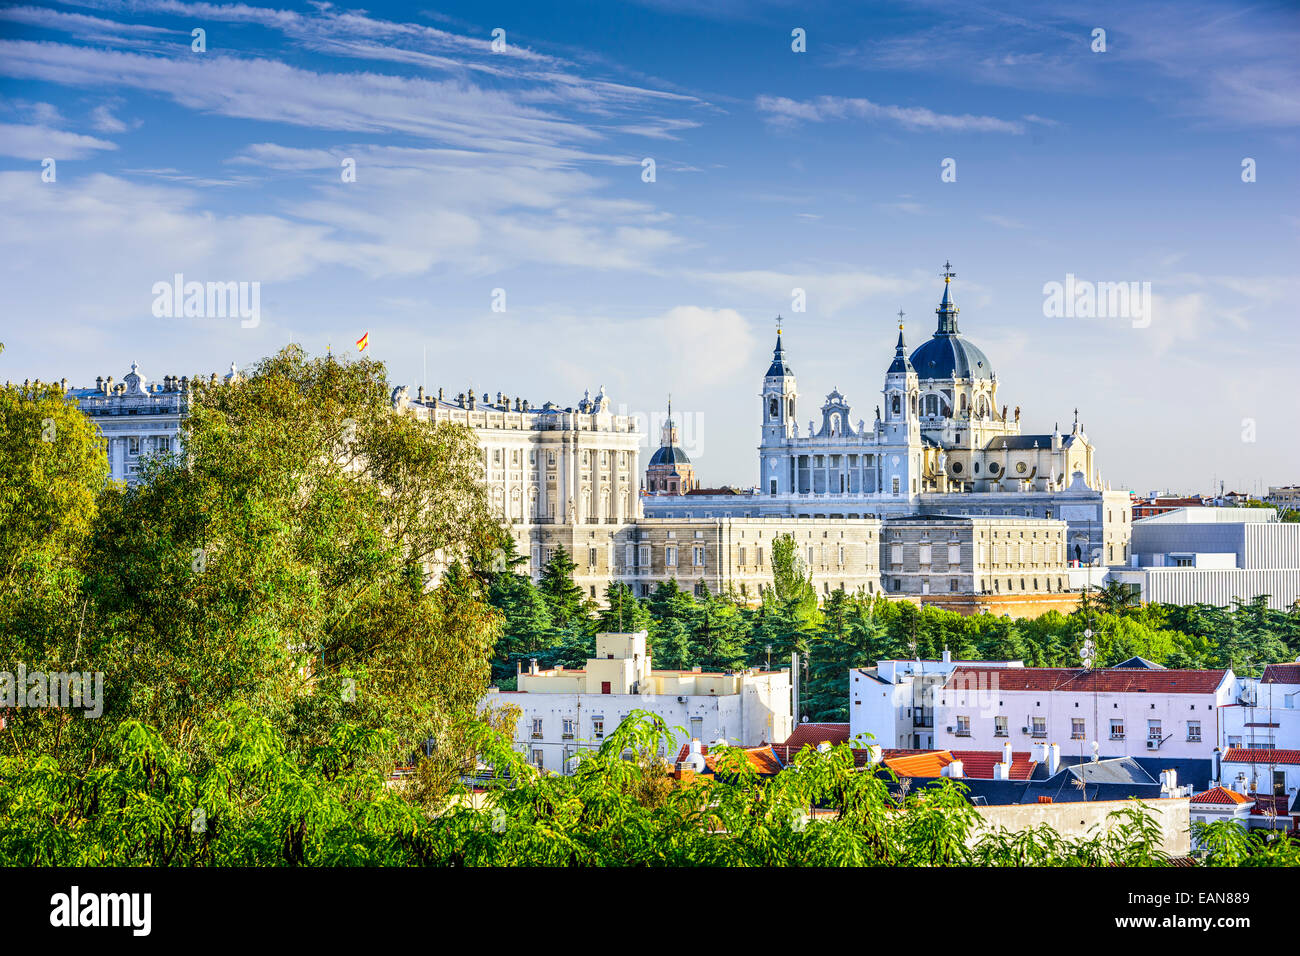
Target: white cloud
[38, 142]
[783, 111]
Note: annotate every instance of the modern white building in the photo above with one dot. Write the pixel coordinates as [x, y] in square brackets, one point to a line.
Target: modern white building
[894, 701]
[1137, 710]
[561, 711]
[1213, 556]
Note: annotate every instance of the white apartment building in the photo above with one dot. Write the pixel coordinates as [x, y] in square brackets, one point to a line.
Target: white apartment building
[1267, 714]
[1134, 711]
[894, 701]
[562, 712]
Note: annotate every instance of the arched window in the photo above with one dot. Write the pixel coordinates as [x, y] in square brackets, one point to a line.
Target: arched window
[791, 413]
[835, 424]
[773, 408]
[897, 406]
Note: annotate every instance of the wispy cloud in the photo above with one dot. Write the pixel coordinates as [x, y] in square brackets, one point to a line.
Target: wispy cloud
[783, 111]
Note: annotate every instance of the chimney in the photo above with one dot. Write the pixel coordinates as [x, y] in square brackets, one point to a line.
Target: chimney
[874, 754]
[1001, 771]
[1041, 747]
[947, 656]
[1054, 761]
[956, 770]
[532, 665]
[683, 772]
[1006, 753]
[1218, 765]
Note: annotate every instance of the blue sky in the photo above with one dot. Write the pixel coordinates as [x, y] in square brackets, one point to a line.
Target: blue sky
[522, 170]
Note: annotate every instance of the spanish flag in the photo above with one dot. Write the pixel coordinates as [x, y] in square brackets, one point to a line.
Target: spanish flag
[363, 342]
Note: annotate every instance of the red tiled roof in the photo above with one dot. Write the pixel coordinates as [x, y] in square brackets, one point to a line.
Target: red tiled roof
[1247, 755]
[1121, 680]
[927, 764]
[979, 763]
[1220, 796]
[816, 733]
[861, 755]
[763, 759]
[1266, 803]
[976, 764]
[1281, 674]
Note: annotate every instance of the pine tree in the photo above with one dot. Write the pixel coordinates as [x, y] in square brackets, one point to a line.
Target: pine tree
[563, 597]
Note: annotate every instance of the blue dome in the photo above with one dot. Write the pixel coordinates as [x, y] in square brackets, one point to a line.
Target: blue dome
[948, 355]
[670, 455]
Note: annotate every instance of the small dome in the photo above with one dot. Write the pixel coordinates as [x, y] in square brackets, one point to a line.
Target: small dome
[670, 455]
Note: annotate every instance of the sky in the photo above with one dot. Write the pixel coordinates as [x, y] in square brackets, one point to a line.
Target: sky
[628, 194]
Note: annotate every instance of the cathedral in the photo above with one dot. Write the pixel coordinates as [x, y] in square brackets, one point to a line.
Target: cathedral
[940, 442]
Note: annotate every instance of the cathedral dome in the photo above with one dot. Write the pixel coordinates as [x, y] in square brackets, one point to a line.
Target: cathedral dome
[947, 354]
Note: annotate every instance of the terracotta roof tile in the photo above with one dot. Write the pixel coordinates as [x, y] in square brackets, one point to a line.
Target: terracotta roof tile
[1247, 755]
[1221, 796]
[978, 764]
[816, 733]
[1281, 674]
[928, 764]
[763, 759]
[1122, 680]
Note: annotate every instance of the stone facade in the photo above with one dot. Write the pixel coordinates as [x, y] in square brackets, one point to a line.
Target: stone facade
[952, 554]
[136, 418]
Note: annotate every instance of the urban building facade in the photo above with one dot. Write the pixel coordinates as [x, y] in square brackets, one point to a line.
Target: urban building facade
[1214, 556]
[1134, 710]
[561, 711]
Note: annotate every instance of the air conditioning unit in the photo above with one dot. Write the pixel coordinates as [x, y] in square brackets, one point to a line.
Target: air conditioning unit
[1025, 730]
[1153, 743]
[681, 700]
[949, 730]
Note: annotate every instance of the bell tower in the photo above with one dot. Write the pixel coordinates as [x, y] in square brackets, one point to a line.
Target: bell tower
[900, 430]
[779, 409]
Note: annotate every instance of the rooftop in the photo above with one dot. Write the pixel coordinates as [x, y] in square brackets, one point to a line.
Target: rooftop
[1079, 681]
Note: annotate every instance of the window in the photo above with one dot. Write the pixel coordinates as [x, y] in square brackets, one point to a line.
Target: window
[164, 444]
[591, 557]
[1194, 731]
[924, 554]
[537, 757]
[670, 556]
[1077, 731]
[598, 728]
[698, 555]
[963, 725]
[1153, 730]
[1000, 727]
[697, 728]
[133, 445]
[1117, 730]
[1234, 741]
[568, 728]
[643, 556]
[1038, 726]
[537, 728]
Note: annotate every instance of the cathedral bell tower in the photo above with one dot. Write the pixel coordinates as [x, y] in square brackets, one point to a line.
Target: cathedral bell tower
[900, 429]
[779, 395]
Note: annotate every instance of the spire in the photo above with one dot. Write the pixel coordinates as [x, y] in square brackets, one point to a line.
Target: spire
[901, 363]
[778, 368]
[947, 311]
